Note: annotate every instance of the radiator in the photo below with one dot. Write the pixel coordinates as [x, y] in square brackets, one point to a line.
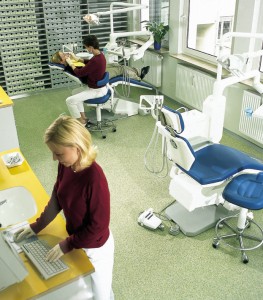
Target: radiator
[192, 86]
[154, 60]
[249, 125]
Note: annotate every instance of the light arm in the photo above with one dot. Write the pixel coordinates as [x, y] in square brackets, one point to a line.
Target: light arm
[112, 46]
[235, 64]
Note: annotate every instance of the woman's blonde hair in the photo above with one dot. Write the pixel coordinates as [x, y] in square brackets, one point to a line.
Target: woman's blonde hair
[69, 132]
[56, 58]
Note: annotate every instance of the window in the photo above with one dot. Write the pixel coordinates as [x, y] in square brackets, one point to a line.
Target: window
[158, 10]
[208, 20]
[224, 26]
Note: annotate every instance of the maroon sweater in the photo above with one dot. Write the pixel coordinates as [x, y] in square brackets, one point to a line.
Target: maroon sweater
[85, 200]
[93, 70]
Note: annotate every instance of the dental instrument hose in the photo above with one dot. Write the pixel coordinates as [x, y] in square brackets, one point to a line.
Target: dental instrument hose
[126, 87]
[154, 142]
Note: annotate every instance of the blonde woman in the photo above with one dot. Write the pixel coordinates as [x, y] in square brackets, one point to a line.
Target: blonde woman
[81, 192]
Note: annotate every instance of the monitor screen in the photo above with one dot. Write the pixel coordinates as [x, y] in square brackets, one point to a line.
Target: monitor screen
[12, 267]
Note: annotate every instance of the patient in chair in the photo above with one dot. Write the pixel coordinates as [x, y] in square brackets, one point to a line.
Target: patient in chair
[114, 69]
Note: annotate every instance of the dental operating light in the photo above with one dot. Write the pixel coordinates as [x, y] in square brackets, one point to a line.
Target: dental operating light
[112, 46]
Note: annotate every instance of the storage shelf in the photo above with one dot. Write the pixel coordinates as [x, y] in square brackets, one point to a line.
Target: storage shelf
[33, 30]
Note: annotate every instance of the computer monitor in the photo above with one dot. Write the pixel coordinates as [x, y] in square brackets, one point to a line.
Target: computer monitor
[12, 267]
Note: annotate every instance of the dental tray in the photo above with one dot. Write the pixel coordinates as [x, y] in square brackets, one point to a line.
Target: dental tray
[13, 159]
[84, 55]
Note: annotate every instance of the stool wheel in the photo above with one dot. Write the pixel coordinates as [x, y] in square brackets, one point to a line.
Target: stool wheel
[103, 127]
[215, 243]
[245, 259]
[236, 238]
[220, 225]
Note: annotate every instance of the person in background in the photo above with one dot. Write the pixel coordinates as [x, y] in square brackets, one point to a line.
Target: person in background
[93, 71]
[81, 191]
[114, 69]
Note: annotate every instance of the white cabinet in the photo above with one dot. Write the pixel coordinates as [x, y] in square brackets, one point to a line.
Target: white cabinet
[192, 86]
[8, 133]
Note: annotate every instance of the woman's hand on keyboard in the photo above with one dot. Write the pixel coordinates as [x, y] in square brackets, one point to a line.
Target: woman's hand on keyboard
[23, 233]
[54, 254]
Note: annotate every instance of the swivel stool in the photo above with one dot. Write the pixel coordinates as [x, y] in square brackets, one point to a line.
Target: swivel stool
[245, 191]
[102, 125]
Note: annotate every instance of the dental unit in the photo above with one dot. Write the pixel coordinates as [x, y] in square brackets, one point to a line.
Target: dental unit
[119, 105]
[201, 167]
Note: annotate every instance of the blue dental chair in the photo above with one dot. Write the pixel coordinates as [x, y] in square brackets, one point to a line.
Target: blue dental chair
[203, 180]
[118, 107]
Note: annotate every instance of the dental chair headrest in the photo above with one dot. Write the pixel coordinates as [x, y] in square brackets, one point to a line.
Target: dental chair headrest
[172, 119]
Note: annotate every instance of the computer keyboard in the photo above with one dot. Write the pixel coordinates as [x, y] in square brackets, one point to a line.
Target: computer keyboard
[36, 251]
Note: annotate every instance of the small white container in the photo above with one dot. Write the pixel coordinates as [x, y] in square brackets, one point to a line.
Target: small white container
[84, 55]
[13, 159]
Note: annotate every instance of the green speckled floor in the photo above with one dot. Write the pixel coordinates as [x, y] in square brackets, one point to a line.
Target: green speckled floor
[149, 265]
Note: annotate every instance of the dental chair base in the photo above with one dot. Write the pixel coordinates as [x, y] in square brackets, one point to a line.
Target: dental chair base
[197, 221]
[106, 114]
[194, 195]
[125, 107]
[122, 108]
[201, 207]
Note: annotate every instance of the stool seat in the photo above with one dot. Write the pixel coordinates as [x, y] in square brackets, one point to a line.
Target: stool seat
[100, 100]
[245, 190]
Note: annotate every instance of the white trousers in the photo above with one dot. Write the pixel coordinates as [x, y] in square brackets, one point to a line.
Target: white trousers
[75, 102]
[101, 280]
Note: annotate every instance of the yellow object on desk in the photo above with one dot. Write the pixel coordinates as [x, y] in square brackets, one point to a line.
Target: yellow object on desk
[5, 99]
[78, 262]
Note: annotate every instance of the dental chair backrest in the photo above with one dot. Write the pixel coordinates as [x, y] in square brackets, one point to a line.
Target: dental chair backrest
[172, 119]
[179, 150]
[73, 77]
[62, 67]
